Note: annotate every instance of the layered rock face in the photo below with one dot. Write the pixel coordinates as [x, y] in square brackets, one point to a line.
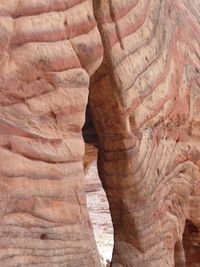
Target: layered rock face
[145, 103]
[145, 100]
[49, 49]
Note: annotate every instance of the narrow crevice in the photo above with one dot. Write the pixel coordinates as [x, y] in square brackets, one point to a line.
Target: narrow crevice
[179, 254]
[88, 130]
[97, 202]
[191, 244]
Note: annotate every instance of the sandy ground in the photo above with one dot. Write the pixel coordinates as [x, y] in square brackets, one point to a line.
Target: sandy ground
[99, 213]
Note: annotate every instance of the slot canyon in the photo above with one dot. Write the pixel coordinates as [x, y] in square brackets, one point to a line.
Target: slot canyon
[99, 133]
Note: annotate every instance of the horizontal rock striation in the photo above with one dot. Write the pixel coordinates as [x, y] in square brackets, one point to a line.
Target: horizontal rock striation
[145, 104]
[47, 55]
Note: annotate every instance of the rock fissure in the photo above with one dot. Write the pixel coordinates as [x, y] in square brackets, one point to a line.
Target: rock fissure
[133, 67]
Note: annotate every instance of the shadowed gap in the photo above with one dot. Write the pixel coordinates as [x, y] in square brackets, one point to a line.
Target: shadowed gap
[97, 202]
[179, 254]
[191, 244]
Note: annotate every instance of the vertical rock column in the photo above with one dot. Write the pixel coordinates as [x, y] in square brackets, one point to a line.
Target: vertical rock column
[145, 105]
[46, 58]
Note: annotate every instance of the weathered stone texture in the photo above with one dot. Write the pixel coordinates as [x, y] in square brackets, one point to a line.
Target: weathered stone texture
[47, 57]
[145, 103]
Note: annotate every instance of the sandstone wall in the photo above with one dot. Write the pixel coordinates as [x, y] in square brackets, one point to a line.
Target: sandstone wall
[145, 100]
[145, 103]
[49, 49]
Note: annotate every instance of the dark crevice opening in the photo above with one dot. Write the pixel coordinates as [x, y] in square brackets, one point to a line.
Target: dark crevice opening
[191, 244]
[179, 254]
[43, 236]
[97, 202]
[88, 130]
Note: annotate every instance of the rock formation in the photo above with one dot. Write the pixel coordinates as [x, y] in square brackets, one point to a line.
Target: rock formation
[139, 60]
[145, 101]
[49, 49]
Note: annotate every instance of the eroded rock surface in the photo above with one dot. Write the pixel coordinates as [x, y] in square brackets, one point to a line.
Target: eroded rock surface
[49, 49]
[145, 104]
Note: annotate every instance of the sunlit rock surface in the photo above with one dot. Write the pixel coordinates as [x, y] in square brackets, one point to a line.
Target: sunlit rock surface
[136, 65]
[99, 213]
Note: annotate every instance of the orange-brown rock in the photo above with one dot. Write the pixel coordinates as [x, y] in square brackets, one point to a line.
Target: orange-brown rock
[49, 49]
[145, 102]
[145, 105]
